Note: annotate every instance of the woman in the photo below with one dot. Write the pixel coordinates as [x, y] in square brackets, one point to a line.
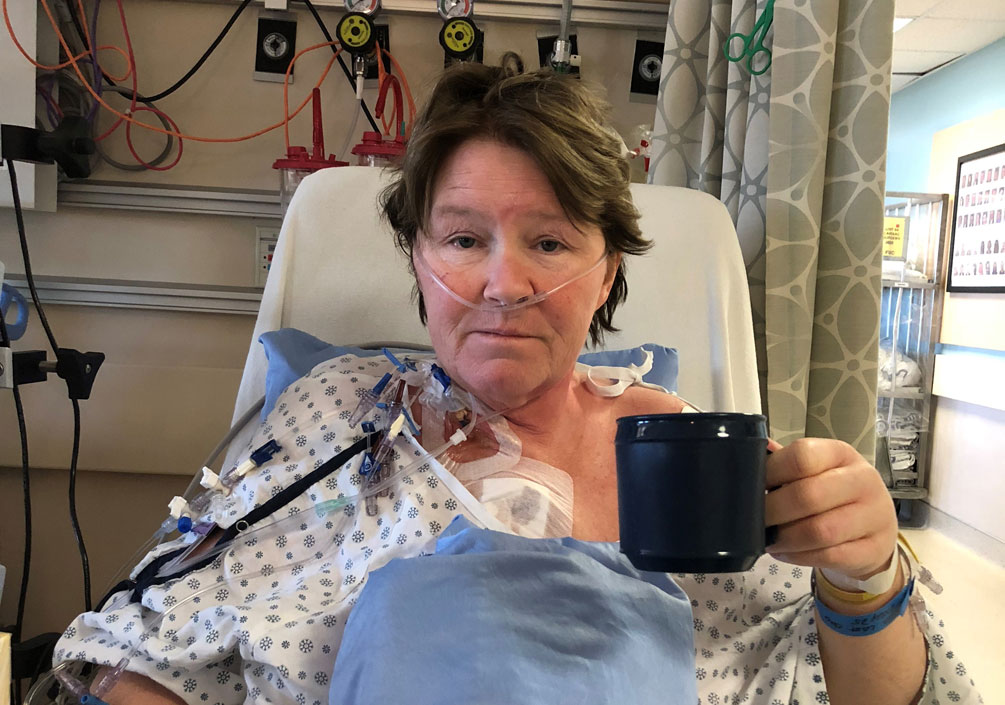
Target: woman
[513, 207]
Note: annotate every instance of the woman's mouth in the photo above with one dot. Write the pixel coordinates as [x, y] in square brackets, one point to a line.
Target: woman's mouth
[501, 333]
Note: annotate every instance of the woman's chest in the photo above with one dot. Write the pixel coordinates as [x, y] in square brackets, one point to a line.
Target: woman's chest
[590, 462]
[595, 497]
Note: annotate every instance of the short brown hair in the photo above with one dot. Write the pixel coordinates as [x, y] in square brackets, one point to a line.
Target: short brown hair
[552, 117]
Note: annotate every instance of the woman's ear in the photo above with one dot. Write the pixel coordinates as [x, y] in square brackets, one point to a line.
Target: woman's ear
[613, 262]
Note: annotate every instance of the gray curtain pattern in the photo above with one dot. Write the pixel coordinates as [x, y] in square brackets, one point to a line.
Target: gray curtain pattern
[798, 157]
[830, 98]
[711, 129]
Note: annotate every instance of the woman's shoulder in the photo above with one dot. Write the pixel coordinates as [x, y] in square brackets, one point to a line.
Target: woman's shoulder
[638, 400]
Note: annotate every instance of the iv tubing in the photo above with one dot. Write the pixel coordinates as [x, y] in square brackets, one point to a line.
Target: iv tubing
[369, 491]
[168, 525]
[326, 508]
[109, 678]
[152, 128]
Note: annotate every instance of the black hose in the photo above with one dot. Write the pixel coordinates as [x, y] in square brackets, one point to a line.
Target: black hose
[188, 74]
[84, 563]
[16, 197]
[202, 59]
[26, 490]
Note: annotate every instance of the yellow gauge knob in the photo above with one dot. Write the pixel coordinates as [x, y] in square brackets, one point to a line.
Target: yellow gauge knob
[356, 33]
[459, 37]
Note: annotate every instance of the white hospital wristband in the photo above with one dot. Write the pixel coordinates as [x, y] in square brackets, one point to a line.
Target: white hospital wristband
[876, 585]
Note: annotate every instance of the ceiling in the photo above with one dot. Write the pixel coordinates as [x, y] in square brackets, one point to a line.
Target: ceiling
[942, 31]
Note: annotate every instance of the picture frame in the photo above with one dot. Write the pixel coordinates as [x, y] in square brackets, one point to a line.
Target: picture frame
[977, 245]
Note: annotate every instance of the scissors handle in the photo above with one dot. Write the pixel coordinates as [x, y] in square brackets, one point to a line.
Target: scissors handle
[751, 62]
[747, 38]
[753, 43]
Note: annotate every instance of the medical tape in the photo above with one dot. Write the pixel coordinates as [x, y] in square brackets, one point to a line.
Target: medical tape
[619, 378]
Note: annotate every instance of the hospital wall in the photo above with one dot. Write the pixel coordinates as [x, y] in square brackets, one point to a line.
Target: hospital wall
[959, 110]
[165, 394]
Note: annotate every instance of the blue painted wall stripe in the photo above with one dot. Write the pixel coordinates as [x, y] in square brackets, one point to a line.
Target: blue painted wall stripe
[964, 90]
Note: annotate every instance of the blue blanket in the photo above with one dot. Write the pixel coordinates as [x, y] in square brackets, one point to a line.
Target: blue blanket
[492, 618]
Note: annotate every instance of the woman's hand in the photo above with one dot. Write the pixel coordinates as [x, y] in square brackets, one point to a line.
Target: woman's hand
[831, 508]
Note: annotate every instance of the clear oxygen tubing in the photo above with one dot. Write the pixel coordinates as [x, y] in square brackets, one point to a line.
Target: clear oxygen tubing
[520, 303]
[563, 27]
[352, 131]
[76, 691]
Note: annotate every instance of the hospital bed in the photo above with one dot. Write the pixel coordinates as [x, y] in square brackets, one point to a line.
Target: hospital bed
[337, 275]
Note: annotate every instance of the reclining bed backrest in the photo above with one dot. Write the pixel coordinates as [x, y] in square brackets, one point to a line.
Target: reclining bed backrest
[337, 275]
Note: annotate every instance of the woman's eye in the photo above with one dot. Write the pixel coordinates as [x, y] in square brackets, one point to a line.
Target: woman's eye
[465, 242]
[550, 245]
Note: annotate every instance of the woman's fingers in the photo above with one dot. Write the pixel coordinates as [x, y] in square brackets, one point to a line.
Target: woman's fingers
[821, 531]
[807, 457]
[830, 506]
[815, 495]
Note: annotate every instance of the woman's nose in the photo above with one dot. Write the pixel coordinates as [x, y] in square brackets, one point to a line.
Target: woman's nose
[507, 279]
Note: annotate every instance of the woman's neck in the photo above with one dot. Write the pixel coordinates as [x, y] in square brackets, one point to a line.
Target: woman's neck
[552, 414]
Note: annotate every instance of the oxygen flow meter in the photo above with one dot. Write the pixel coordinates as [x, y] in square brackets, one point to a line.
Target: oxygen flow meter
[357, 35]
[459, 36]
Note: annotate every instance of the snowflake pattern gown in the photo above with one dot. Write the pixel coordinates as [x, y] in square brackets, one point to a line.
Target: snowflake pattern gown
[262, 621]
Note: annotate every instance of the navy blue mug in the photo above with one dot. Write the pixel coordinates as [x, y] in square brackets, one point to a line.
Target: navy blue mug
[691, 491]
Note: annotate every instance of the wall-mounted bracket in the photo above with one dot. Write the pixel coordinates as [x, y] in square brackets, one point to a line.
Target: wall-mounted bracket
[76, 368]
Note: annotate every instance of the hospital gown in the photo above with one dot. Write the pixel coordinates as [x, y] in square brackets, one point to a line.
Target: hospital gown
[263, 621]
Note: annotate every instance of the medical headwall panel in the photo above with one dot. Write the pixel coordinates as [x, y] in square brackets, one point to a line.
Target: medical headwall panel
[37, 184]
[606, 13]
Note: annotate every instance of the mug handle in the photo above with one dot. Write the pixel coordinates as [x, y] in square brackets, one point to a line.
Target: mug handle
[770, 532]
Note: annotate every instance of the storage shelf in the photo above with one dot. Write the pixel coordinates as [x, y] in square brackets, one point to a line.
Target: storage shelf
[901, 394]
[897, 284]
[908, 493]
[910, 322]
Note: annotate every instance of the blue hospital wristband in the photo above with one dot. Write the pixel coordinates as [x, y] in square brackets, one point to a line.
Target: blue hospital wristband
[867, 624]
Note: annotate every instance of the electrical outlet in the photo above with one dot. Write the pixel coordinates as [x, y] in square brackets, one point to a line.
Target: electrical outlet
[265, 248]
[646, 68]
[276, 46]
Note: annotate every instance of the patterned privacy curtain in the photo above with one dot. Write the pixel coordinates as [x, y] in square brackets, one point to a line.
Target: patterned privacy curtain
[798, 157]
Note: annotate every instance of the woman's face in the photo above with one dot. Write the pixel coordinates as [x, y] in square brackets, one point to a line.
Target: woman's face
[496, 234]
